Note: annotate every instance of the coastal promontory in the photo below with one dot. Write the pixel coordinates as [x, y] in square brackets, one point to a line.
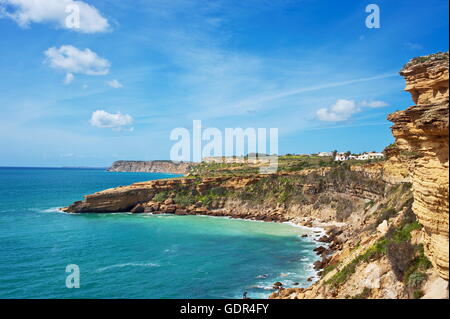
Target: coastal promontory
[150, 167]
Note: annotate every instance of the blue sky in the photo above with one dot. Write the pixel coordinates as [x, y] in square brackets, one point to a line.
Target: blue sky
[138, 69]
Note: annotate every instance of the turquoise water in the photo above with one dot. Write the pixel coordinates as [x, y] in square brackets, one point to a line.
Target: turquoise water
[134, 256]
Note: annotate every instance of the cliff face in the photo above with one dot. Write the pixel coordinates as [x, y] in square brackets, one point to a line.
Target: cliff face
[150, 167]
[421, 133]
[286, 195]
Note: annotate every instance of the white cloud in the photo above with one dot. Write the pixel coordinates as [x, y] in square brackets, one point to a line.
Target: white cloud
[74, 60]
[69, 78]
[116, 121]
[340, 111]
[373, 103]
[57, 12]
[115, 84]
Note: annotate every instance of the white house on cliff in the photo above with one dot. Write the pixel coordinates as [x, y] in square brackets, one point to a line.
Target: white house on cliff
[361, 157]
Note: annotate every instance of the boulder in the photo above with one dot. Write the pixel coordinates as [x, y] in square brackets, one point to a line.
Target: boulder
[324, 239]
[168, 201]
[318, 265]
[319, 250]
[383, 227]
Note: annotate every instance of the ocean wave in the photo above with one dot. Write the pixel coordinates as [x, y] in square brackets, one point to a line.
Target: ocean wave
[262, 287]
[128, 265]
[286, 274]
[51, 210]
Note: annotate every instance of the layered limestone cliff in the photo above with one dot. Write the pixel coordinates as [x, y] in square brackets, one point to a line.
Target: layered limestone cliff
[421, 133]
[395, 261]
[150, 167]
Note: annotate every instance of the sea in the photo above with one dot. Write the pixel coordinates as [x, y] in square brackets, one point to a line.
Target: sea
[45, 253]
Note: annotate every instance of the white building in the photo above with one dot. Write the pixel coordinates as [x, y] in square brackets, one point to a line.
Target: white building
[341, 157]
[374, 155]
[361, 157]
[370, 155]
[325, 154]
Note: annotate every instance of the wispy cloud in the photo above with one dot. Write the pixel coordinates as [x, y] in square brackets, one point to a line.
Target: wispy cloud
[69, 78]
[114, 84]
[414, 46]
[373, 103]
[258, 100]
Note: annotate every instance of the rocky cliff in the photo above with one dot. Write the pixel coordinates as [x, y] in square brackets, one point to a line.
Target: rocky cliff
[421, 133]
[354, 206]
[386, 222]
[150, 167]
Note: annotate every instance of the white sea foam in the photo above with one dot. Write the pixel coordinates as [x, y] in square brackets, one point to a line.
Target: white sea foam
[128, 265]
[263, 287]
[309, 229]
[52, 210]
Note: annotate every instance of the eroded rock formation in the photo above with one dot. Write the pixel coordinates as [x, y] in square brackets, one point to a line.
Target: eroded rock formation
[421, 133]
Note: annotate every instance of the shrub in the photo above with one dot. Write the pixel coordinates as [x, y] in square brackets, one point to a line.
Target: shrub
[161, 197]
[417, 294]
[327, 269]
[364, 294]
[184, 199]
[414, 276]
[416, 279]
[400, 256]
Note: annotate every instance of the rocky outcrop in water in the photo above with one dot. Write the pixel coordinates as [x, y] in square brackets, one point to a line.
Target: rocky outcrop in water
[150, 167]
[421, 133]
